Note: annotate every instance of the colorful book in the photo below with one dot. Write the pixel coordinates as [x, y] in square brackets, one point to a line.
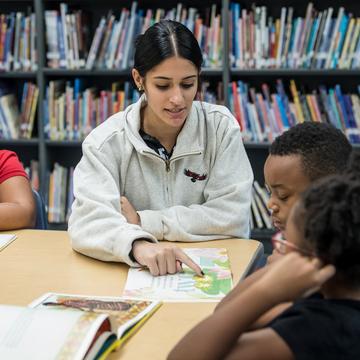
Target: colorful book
[87, 327]
[185, 286]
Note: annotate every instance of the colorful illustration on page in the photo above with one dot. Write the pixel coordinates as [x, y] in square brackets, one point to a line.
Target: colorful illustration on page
[186, 286]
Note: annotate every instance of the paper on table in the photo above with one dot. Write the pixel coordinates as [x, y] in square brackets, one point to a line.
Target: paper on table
[6, 239]
[186, 286]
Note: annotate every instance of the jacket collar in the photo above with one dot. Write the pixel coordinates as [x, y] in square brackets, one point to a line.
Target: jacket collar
[190, 138]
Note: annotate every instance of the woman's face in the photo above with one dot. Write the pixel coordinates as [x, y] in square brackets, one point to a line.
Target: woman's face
[170, 89]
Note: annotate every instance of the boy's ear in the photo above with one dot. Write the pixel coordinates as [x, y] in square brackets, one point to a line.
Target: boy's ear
[137, 78]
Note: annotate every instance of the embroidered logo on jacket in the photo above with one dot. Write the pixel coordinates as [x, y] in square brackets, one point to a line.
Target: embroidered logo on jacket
[194, 176]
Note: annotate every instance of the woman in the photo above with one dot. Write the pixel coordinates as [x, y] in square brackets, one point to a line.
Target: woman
[166, 168]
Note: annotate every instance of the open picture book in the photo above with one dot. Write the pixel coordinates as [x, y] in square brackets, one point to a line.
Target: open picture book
[185, 286]
[63, 326]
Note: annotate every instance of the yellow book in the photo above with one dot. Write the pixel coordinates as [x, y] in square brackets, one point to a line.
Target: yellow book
[353, 43]
[344, 53]
[32, 113]
[295, 95]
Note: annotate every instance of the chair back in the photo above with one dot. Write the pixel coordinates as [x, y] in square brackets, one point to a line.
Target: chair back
[41, 221]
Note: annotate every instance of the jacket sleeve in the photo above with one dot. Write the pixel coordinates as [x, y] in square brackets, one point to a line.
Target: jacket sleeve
[96, 226]
[226, 210]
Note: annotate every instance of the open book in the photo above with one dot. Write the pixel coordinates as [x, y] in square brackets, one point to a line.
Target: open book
[185, 286]
[60, 326]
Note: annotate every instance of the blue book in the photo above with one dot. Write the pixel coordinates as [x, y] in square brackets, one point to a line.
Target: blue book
[311, 42]
[285, 100]
[332, 101]
[235, 8]
[61, 45]
[342, 32]
[283, 116]
[341, 106]
[9, 41]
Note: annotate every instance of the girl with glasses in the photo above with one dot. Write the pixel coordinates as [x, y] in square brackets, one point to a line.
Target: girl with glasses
[322, 251]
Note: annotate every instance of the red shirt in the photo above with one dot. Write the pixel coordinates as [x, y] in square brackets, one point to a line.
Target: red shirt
[10, 166]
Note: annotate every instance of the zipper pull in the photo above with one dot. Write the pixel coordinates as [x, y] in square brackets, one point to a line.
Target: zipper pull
[167, 165]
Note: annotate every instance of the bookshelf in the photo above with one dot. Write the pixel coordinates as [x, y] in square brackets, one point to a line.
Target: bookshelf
[68, 152]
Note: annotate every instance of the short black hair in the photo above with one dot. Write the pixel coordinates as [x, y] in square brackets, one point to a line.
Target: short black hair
[324, 149]
[329, 214]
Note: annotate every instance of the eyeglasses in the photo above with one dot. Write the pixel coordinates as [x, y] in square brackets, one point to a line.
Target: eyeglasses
[281, 245]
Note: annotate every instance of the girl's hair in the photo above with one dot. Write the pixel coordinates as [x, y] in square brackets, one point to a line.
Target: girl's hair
[163, 40]
[329, 213]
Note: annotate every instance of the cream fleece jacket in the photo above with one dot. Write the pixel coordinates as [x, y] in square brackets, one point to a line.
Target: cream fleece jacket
[202, 193]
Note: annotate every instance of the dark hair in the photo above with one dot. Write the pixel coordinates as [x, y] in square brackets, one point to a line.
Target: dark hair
[329, 214]
[323, 148]
[163, 40]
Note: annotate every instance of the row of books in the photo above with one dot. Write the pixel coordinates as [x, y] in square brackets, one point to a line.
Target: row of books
[320, 40]
[15, 122]
[18, 50]
[263, 115]
[260, 214]
[112, 45]
[60, 194]
[71, 112]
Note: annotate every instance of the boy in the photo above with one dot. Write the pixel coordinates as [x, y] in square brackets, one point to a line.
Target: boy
[298, 157]
[301, 155]
[17, 205]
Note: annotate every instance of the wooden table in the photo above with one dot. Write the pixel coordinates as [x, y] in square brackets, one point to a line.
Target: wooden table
[43, 261]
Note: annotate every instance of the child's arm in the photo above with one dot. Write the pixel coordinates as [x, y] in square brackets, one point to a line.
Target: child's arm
[223, 333]
[242, 286]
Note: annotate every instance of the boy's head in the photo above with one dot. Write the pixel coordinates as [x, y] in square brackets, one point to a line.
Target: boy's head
[301, 155]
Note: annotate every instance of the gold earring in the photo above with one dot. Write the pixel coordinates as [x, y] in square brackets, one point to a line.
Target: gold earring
[140, 88]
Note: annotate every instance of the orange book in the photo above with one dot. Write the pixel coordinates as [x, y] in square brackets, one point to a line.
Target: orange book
[316, 107]
[311, 107]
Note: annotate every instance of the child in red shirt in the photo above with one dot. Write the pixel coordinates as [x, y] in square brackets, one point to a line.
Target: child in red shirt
[17, 205]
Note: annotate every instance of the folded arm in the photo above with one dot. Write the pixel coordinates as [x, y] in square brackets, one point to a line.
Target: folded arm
[96, 226]
[226, 210]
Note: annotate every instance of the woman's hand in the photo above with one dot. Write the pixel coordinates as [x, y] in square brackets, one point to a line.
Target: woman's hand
[132, 217]
[294, 276]
[162, 259]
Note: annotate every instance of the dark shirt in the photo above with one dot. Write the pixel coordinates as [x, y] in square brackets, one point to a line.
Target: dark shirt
[154, 143]
[318, 328]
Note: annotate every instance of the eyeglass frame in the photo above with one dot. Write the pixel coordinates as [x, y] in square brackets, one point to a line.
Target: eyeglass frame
[277, 240]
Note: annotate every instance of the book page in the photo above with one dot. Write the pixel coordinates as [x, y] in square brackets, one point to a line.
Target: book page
[123, 314]
[5, 240]
[186, 286]
[46, 333]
